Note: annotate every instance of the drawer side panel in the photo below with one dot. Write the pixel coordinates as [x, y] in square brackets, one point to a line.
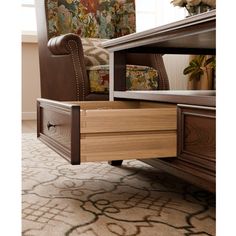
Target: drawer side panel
[125, 120]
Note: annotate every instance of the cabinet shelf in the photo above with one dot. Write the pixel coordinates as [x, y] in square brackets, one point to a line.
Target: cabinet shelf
[193, 97]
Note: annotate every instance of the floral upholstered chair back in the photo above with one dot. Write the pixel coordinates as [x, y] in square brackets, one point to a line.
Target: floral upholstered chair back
[91, 18]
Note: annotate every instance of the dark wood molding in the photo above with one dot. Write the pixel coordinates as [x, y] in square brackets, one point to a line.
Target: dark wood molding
[197, 32]
[197, 135]
[75, 135]
[119, 71]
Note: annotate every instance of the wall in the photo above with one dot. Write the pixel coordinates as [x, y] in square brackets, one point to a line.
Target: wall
[175, 65]
[30, 78]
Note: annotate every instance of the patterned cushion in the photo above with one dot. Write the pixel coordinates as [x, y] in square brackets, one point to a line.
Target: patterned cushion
[99, 78]
[137, 78]
[141, 78]
[94, 53]
[91, 18]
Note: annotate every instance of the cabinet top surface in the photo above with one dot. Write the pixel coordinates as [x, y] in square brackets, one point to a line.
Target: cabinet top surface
[192, 32]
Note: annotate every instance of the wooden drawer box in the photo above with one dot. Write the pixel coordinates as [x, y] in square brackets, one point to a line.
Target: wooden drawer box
[101, 130]
[197, 136]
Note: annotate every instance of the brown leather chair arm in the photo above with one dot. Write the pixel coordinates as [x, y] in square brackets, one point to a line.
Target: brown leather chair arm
[70, 53]
[65, 44]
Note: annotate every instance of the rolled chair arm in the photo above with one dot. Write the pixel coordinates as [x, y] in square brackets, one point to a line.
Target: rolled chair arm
[61, 45]
[69, 48]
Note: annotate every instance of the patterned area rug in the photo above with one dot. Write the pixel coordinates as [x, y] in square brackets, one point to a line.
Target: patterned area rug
[96, 199]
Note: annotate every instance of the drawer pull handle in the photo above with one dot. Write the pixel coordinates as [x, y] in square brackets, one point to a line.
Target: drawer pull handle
[49, 125]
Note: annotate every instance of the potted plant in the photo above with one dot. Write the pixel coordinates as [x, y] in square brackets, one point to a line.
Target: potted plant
[195, 6]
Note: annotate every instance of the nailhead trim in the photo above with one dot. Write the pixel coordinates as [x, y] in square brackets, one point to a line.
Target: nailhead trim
[75, 56]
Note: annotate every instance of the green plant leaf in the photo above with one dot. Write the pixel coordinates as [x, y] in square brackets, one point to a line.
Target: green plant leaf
[188, 70]
[194, 63]
[197, 66]
[200, 59]
[210, 61]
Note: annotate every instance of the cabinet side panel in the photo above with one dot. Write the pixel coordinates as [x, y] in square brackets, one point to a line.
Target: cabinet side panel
[197, 136]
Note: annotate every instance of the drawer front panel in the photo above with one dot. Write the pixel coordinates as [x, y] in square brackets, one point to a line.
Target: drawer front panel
[98, 131]
[54, 127]
[128, 146]
[197, 135]
[57, 125]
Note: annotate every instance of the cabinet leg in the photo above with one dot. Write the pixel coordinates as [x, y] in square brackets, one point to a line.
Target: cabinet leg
[115, 162]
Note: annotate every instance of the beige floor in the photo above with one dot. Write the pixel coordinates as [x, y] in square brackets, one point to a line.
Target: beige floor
[99, 199]
[29, 126]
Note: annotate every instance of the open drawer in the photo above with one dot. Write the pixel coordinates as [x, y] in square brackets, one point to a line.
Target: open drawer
[101, 130]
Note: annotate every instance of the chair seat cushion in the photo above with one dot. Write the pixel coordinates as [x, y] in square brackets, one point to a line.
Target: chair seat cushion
[141, 78]
[137, 78]
[99, 78]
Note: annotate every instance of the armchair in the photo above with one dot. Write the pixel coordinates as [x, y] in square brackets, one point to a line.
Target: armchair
[73, 64]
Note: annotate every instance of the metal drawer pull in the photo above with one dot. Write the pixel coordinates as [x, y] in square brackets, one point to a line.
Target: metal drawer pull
[49, 125]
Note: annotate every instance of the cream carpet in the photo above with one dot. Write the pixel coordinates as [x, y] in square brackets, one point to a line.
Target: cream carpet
[96, 199]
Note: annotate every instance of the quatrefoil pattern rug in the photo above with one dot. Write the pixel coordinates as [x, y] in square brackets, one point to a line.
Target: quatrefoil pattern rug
[96, 199]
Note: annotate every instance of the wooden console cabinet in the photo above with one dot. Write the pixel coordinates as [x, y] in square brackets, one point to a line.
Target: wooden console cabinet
[171, 130]
[196, 149]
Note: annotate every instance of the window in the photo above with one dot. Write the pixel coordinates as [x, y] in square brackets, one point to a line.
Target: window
[156, 13]
[28, 16]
